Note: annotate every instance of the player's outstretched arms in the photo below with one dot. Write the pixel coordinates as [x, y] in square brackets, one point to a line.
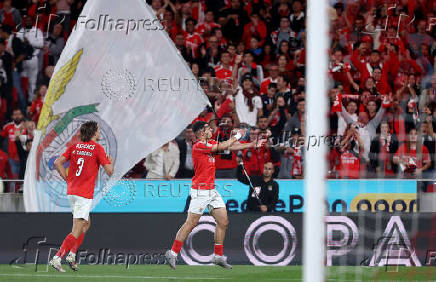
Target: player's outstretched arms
[227, 144]
[59, 165]
[242, 146]
[109, 168]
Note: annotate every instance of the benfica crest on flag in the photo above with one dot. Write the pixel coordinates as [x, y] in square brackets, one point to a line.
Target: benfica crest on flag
[120, 69]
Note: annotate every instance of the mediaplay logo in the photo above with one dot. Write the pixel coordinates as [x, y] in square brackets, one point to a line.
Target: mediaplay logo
[118, 84]
[252, 247]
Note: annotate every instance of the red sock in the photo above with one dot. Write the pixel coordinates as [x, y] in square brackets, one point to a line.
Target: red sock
[218, 249]
[177, 246]
[78, 243]
[67, 244]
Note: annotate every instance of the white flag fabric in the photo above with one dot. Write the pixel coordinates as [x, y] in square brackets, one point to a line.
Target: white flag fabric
[118, 68]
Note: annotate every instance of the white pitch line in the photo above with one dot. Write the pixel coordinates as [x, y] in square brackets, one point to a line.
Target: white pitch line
[108, 276]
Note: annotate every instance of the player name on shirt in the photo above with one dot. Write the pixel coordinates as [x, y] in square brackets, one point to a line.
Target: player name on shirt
[85, 146]
[83, 153]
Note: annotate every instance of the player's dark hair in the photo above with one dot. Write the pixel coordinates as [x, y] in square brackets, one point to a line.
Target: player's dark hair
[198, 125]
[88, 130]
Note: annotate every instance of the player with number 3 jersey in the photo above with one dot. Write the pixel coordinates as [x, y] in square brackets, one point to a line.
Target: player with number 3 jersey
[85, 159]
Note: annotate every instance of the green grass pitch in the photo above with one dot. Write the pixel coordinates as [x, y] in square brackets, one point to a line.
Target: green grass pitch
[250, 273]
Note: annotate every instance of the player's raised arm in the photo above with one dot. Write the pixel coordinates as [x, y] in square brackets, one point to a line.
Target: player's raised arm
[242, 146]
[227, 144]
[59, 165]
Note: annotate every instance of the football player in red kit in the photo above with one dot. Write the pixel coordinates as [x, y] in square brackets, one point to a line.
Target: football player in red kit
[203, 193]
[85, 159]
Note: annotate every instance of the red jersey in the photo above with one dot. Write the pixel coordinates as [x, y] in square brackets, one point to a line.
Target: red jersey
[411, 154]
[193, 41]
[349, 166]
[85, 159]
[255, 159]
[204, 165]
[9, 131]
[5, 168]
[339, 73]
[222, 73]
[264, 84]
[36, 108]
[206, 27]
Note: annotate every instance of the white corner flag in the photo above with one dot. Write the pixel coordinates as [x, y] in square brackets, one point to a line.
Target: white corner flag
[118, 68]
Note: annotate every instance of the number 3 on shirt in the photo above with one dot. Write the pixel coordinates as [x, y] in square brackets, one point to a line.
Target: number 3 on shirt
[80, 163]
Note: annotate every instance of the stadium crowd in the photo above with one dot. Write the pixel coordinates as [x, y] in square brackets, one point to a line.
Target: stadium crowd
[249, 56]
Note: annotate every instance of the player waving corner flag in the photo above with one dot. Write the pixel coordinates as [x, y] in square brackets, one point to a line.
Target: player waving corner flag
[203, 193]
[85, 159]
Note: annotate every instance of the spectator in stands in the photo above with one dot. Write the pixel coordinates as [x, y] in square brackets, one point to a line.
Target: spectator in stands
[224, 69]
[63, 11]
[255, 158]
[383, 148]
[164, 162]
[250, 67]
[255, 50]
[367, 128]
[54, 44]
[351, 108]
[273, 72]
[22, 151]
[265, 195]
[9, 15]
[351, 150]
[428, 137]
[225, 162]
[269, 99]
[15, 47]
[8, 131]
[186, 168]
[428, 96]
[297, 17]
[222, 41]
[412, 157]
[30, 127]
[283, 90]
[5, 170]
[193, 39]
[255, 28]
[298, 118]
[340, 72]
[211, 54]
[278, 117]
[415, 40]
[291, 147]
[284, 33]
[37, 103]
[205, 28]
[6, 73]
[33, 41]
[236, 19]
[248, 104]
